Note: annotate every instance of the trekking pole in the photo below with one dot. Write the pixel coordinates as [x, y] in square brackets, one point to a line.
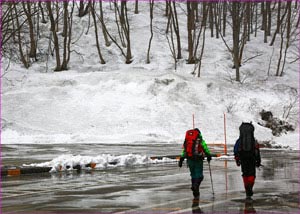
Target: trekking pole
[212, 185]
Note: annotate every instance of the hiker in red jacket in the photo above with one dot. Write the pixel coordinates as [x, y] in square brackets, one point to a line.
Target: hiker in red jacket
[194, 150]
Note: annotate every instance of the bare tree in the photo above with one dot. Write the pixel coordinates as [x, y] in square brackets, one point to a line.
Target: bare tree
[168, 15]
[64, 65]
[236, 19]
[203, 44]
[224, 18]
[216, 16]
[107, 42]
[256, 19]
[83, 11]
[42, 12]
[120, 31]
[171, 45]
[173, 16]
[55, 38]
[57, 7]
[269, 18]
[248, 20]
[96, 34]
[23, 59]
[8, 20]
[28, 13]
[263, 13]
[288, 35]
[136, 8]
[211, 18]
[110, 36]
[126, 29]
[279, 22]
[70, 21]
[167, 8]
[151, 4]
[190, 29]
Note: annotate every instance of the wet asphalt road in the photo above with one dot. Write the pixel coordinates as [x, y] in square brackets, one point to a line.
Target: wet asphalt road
[154, 188]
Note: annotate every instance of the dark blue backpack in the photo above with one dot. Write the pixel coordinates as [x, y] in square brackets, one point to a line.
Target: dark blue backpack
[245, 145]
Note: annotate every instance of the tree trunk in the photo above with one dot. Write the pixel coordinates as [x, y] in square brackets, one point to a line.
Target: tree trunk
[57, 16]
[128, 55]
[190, 27]
[265, 22]
[288, 34]
[167, 8]
[42, 11]
[83, 11]
[13, 26]
[168, 4]
[96, 34]
[107, 42]
[280, 52]
[216, 19]
[32, 52]
[81, 8]
[120, 31]
[248, 19]
[23, 59]
[256, 15]
[278, 25]
[55, 38]
[202, 51]
[64, 65]
[263, 13]
[70, 33]
[203, 26]
[176, 28]
[136, 9]
[236, 35]
[126, 29]
[244, 35]
[151, 4]
[269, 13]
[211, 19]
[171, 43]
[224, 18]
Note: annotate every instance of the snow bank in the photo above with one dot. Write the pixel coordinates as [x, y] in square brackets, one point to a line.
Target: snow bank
[69, 162]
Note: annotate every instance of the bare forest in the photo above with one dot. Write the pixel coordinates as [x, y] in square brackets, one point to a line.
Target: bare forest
[26, 26]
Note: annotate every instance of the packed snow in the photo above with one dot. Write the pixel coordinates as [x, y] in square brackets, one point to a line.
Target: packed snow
[144, 103]
[70, 162]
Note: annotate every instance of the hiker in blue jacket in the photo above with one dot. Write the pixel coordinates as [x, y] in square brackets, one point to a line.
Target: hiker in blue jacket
[247, 155]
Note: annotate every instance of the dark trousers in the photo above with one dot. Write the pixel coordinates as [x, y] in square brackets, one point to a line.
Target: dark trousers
[196, 172]
[248, 166]
[248, 173]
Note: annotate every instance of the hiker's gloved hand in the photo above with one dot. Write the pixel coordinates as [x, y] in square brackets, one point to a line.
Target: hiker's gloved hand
[257, 163]
[237, 160]
[208, 158]
[180, 162]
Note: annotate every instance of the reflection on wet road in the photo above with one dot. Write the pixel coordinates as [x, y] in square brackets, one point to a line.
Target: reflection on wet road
[155, 188]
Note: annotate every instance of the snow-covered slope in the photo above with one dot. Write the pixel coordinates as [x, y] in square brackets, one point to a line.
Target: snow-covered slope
[139, 102]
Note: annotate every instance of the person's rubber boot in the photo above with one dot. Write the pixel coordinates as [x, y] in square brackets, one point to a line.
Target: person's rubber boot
[251, 180]
[248, 184]
[195, 207]
[195, 188]
[249, 192]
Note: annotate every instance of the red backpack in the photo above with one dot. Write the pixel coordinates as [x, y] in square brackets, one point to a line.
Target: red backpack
[193, 148]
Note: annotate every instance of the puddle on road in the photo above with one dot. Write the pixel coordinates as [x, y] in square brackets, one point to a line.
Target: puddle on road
[280, 203]
[154, 188]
